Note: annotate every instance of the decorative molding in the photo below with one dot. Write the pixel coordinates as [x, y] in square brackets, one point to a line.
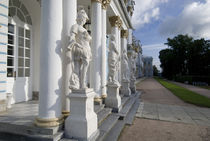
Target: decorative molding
[115, 21]
[49, 122]
[96, 1]
[129, 8]
[104, 96]
[105, 4]
[124, 33]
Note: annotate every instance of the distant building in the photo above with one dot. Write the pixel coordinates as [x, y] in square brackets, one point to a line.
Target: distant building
[148, 69]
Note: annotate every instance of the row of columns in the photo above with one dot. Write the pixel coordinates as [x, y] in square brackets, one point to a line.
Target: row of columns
[54, 76]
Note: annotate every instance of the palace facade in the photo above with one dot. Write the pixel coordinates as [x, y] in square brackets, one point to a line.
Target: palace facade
[34, 62]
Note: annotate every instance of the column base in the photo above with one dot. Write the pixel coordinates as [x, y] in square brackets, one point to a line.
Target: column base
[97, 101]
[113, 99]
[104, 96]
[82, 124]
[65, 114]
[125, 89]
[49, 122]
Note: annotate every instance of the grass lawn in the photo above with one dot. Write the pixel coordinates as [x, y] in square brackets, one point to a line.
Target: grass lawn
[185, 94]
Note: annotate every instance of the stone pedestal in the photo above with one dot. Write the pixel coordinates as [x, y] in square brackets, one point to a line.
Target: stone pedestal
[133, 86]
[125, 89]
[82, 124]
[113, 99]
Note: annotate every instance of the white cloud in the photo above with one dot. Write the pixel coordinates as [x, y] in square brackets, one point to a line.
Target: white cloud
[154, 47]
[145, 11]
[193, 20]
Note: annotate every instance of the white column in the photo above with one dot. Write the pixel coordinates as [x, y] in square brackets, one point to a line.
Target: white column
[103, 75]
[50, 64]
[119, 48]
[105, 4]
[69, 19]
[130, 32]
[96, 33]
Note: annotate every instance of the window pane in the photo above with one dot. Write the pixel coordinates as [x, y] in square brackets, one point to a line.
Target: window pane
[21, 31]
[21, 42]
[28, 19]
[27, 62]
[12, 11]
[20, 72]
[21, 51]
[27, 43]
[10, 39]
[10, 61]
[10, 52]
[27, 72]
[20, 62]
[24, 10]
[9, 72]
[20, 16]
[28, 34]
[11, 28]
[27, 53]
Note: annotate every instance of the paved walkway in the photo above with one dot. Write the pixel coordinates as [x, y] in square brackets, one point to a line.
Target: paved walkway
[154, 92]
[201, 91]
[162, 116]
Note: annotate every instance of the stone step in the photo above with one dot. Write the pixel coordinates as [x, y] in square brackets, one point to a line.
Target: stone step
[129, 116]
[126, 108]
[107, 125]
[98, 108]
[28, 129]
[124, 100]
[105, 112]
[27, 137]
[113, 134]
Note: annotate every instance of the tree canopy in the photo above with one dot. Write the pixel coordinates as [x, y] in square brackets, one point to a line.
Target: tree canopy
[185, 56]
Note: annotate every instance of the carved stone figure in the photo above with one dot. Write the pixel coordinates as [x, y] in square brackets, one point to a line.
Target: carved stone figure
[133, 64]
[125, 66]
[79, 46]
[113, 60]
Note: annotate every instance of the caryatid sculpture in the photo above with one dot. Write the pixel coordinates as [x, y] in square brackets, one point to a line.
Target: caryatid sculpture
[79, 46]
[113, 60]
[125, 66]
[133, 64]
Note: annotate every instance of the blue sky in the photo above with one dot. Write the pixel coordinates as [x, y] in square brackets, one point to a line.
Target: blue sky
[156, 20]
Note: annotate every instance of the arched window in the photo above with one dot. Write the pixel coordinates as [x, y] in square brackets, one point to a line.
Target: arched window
[19, 40]
[17, 8]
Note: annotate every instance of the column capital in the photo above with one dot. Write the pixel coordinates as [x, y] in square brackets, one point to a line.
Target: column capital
[115, 21]
[124, 33]
[100, 1]
[105, 4]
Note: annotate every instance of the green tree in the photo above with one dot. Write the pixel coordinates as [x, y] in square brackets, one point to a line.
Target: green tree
[155, 71]
[185, 56]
